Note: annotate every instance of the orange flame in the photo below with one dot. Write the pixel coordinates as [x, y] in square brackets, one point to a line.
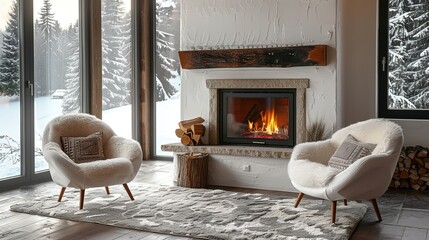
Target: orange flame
[269, 123]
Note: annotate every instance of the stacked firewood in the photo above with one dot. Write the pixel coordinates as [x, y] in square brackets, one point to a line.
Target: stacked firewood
[412, 170]
[190, 131]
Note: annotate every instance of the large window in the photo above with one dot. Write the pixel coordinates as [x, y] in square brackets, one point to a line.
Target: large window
[10, 103]
[403, 77]
[117, 65]
[45, 72]
[167, 73]
[39, 80]
[57, 77]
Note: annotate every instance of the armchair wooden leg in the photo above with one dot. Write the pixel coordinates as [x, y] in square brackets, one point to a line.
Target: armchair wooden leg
[63, 189]
[82, 195]
[377, 211]
[128, 191]
[107, 190]
[345, 202]
[333, 211]
[298, 199]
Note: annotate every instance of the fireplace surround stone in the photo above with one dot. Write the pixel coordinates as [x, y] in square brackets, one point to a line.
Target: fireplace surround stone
[215, 85]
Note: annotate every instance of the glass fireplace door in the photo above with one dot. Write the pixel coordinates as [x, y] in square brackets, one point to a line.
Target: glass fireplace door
[257, 117]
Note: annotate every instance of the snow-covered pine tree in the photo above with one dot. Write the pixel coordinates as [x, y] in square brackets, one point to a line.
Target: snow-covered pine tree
[72, 100]
[48, 27]
[398, 37]
[408, 54]
[127, 47]
[418, 54]
[59, 55]
[166, 66]
[1, 42]
[115, 84]
[9, 65]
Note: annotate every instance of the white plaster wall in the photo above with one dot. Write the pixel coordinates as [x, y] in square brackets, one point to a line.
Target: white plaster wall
[356, 68]
[240, 23]
[263, 173]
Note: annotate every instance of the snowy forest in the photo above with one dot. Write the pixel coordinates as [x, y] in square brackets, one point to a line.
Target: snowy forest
[408, 54]
[57, 55]
[57, 59]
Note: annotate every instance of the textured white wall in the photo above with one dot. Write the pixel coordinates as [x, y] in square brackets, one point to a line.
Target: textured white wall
[214, 23]
[356, 68]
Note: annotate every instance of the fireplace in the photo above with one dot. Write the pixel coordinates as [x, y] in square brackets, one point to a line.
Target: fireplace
[257, 117]
[296, 113]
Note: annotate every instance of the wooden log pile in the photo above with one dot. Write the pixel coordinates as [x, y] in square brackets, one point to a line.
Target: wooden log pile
[190, 131]
[412, 170]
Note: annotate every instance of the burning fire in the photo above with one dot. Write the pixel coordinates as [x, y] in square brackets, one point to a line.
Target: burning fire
[269, 123]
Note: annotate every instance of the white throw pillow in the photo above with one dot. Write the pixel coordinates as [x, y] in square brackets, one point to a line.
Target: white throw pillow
[349, 151]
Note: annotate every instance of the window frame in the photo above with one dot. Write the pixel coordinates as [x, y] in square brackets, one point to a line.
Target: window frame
[153, 112]
[152, 84]
[382, 71]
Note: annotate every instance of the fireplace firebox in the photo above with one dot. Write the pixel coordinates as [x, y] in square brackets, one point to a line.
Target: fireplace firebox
[257, 117]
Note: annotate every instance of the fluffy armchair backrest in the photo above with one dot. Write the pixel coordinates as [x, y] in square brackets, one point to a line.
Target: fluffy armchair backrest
[386, 134]
[368, 177]
[75, 125]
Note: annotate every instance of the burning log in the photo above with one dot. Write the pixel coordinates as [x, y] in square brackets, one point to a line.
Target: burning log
[190, 131]
[253, 115]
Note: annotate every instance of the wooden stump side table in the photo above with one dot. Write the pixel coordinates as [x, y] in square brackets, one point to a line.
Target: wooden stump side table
[192, 170]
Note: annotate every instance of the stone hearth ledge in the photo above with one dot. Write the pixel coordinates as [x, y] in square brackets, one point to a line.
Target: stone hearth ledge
[231, 150]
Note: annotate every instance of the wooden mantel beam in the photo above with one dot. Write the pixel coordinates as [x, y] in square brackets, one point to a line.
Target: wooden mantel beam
[279, 57]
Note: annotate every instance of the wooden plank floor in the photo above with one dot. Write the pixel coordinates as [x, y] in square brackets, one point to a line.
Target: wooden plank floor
[399, 223]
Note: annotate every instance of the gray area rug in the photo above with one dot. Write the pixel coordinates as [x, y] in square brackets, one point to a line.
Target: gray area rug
[201, 213]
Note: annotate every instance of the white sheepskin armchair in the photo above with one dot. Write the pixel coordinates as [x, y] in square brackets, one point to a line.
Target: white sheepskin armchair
[121, 162]
[367, 178]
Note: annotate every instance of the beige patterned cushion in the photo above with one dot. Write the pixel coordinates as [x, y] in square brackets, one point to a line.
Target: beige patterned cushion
[349, 151]
[84, 149]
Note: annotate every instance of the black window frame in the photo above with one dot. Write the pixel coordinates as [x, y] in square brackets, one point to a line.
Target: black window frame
[382, 71]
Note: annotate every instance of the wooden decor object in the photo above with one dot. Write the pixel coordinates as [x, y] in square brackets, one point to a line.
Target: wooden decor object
[186, 139]
[186, 125]
[192, 170]
[280, 57]
[190, 131]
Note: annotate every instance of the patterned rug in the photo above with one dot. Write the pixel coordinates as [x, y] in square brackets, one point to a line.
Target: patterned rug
[201, 213]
